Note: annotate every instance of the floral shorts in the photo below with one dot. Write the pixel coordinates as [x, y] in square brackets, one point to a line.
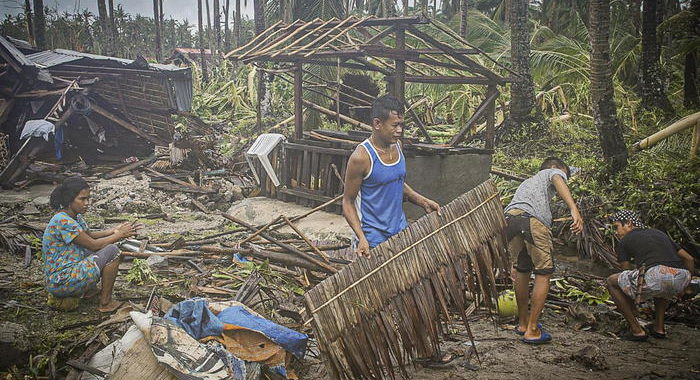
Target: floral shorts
[660, 281]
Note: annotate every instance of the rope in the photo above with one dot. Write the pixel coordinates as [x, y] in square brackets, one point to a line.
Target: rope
[377, 269]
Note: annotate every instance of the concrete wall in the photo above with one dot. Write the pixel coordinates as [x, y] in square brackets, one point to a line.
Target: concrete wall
[444, 178]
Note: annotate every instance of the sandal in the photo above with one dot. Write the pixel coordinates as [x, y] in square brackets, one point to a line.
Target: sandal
[657, 335]
[545, 337]
[521, 333]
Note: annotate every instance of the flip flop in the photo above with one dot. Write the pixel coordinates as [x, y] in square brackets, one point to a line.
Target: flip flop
[657, 335]
[521, 333]
[545, 337]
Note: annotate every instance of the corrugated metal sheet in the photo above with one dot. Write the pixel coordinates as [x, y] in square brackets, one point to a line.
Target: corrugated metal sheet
[10, 52]
[14, 53]
[183, 94]
[50, 58]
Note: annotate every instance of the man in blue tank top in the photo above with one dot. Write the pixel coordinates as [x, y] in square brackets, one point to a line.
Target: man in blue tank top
[375, 180]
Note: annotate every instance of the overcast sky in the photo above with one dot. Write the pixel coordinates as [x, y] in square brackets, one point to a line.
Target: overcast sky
[177, 9]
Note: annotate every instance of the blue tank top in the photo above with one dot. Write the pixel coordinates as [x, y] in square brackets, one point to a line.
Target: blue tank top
[379, 203]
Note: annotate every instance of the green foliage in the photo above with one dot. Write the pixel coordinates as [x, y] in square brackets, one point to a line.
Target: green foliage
[567, 290]
[141, 273]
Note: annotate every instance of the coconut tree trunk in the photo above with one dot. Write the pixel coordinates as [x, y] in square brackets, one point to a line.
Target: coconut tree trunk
[113, 27]
[259, 20]
[209, 39]
[39, 25]
[602, 93]
[28, 19]
[653, 93]
[463, 9]
[227, 31]
[404, 4]
[237, 25]
[217, 26]
[105, 26]
[205, 76]
[690, 90]
[523, 90]
[156, 22]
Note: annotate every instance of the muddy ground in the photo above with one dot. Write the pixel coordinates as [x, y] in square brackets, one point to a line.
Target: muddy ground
[579, 350]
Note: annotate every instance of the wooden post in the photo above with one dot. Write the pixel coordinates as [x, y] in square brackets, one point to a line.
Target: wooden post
[400, 81]
[490, 133]
[298, 105]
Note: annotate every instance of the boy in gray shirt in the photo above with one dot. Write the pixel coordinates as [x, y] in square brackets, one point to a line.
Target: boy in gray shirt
[529, 219]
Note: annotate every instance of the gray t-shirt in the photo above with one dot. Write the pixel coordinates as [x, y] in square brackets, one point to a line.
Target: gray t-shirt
[534, 194]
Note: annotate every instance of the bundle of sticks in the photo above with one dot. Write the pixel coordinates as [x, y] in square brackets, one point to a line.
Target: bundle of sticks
[380, 313]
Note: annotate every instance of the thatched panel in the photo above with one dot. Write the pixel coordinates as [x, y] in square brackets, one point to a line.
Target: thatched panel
[381, 312]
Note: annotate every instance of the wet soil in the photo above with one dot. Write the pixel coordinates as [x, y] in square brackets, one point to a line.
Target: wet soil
[573, 354]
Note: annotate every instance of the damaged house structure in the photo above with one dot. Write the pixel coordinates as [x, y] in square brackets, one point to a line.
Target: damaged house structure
[309, 167]
[76, 105]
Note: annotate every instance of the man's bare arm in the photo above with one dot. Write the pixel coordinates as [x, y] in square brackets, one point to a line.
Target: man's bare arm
[417, 199]
[687, 259]
[565, 194]
[358, 167]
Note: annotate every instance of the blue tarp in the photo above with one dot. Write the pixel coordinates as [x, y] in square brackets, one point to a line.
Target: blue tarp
[194, 316]
[290, 340]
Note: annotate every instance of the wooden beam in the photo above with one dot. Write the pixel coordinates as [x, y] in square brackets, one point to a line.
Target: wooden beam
[388, 21]
[444, 79]
[400, 81]
[483, 108]
[125, 124]
[473, 66]
[298, 101]
[346, 119]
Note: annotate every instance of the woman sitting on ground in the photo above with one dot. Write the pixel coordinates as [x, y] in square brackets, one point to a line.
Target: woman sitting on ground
[76, 258]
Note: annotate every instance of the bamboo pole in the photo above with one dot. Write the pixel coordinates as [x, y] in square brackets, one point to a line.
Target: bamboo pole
[696, 140]
[288, 247]
[671, 130]
[308, 242]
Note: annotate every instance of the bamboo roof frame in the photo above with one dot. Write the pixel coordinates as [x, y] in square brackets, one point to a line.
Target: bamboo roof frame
[378, 45]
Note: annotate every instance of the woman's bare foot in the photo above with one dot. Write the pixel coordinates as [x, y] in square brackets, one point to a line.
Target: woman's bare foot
[91, 293]
[110, 307]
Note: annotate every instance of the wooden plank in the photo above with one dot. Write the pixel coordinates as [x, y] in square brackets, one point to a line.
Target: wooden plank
[124, 124]
[177, 181]
[318, 149]
[313, 180]
[130, 167]
[310, 195]
[298, 101]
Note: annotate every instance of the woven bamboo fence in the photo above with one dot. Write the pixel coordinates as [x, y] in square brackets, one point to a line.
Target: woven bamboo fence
[379, 313]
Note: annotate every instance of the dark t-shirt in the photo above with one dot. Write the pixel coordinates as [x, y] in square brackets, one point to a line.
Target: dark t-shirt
[650, 247]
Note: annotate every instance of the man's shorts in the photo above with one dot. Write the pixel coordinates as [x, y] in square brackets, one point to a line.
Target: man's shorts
[529, 243]
[660, 281]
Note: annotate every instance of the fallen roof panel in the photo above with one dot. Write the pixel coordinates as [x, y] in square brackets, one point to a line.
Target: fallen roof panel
[51, 58]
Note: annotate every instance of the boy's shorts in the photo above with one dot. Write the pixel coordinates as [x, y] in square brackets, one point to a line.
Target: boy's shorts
[529, 243]
[660, 281]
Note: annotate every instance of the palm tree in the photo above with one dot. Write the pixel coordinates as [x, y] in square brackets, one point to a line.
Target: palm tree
[237, 25]
[604, 109]
[523, 90]
[259, 19]
[156, 20]
[217, 26]
[205, 77]
[39, 25]
[105, 27]
[653, 94]
[463, 10]
[28, 19]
